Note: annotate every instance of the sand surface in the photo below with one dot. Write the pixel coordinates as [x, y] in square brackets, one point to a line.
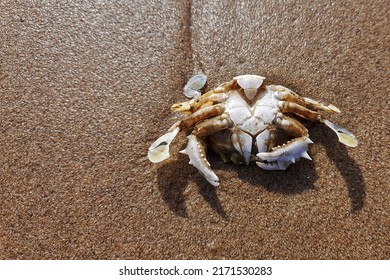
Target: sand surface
[86, 86]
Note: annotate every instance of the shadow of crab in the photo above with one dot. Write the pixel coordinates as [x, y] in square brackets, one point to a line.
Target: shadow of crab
[172, 181]
[347, 166]
[299, 177]
[174, 175]
[296, 179]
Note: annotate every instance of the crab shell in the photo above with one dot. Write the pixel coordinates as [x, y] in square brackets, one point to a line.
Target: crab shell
[240, 120]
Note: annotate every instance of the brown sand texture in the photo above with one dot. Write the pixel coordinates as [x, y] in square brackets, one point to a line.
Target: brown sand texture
[86, 87]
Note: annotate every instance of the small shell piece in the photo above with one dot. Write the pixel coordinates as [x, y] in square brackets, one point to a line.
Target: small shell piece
[250, 84]
[197, 82]
[191, 93]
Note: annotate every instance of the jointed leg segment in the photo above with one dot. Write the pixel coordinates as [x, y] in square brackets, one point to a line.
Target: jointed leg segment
[294, 108]
[159, 150]
[284, 94]
[309, 109]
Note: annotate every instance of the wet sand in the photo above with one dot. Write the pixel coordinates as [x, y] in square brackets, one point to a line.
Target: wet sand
[86, 88]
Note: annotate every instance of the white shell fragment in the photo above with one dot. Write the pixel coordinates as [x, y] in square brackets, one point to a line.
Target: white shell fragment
[197, 82]
[191, 93]
[250, 84]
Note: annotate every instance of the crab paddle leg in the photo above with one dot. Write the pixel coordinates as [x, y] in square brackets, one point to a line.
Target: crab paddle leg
[159, 150]
[345, 137]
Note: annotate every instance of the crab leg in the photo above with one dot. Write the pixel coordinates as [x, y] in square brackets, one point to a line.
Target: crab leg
[282, 156]
[284, 94]
[200, 115]
[306, 107]
[241, 141]
[193, 105]
[345, 137]
[159, 150]
[291, 126]
[212, 125]
[294, 108]
[196, 151]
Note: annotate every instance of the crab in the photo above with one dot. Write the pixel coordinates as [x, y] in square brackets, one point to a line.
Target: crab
[241, 120]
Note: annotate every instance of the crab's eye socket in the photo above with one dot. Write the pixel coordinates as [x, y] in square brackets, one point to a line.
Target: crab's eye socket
[250, 84]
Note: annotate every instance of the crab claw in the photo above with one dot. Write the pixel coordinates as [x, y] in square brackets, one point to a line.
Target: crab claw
[286, 154]
[345, 137]
[159, 150]
[196, 151]
[274, 165]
